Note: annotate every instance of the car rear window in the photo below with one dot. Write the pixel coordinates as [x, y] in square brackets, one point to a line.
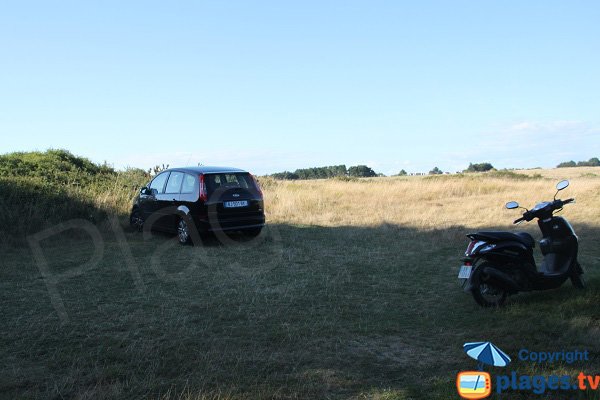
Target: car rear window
[226, 181]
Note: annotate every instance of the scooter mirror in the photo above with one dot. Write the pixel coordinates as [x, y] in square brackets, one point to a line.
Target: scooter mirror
[562, 184]
[512, 204]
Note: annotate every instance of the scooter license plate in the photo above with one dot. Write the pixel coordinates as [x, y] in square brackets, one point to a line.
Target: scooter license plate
[465, 272]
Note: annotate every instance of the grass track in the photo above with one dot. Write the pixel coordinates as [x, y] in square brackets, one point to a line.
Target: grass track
[311, 312]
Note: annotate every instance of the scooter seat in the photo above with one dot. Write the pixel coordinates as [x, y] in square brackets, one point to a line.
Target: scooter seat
[499, 236]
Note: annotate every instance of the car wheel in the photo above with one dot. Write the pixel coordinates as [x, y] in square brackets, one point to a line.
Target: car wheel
[135, 220]
[254, 232]
[183, 232]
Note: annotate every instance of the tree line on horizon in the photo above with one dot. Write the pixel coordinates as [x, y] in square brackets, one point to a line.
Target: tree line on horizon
[360, 171]
[332, 171]
[592, 162]
[480, 167]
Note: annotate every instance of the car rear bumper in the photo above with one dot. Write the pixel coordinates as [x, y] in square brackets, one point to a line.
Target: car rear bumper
[230, 223]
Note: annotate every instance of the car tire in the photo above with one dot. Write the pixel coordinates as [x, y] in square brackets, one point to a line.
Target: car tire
[135, 220]
[254, 232]
[183, 232]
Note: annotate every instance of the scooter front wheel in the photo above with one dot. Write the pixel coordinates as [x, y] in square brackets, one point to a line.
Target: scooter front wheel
[577, 278]
[485, 293]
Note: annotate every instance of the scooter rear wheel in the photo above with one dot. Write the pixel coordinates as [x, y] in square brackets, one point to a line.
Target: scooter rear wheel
[484, 292]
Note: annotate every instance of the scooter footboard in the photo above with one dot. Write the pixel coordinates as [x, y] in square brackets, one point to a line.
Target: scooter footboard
[549, 245]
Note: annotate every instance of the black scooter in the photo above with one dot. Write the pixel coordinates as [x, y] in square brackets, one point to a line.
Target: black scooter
[501, 263]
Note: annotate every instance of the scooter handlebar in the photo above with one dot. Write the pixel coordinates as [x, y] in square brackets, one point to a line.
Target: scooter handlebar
[555, 205]
[558, 204]
[527, 216]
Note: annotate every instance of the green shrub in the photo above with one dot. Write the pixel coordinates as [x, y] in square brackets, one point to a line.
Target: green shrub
[481, 167]
[361, 171]
[39, 189]
[59, 166]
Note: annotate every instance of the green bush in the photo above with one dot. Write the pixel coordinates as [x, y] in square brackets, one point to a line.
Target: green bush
[481, 167]
[58, 166]
[361, 171]
[39, 189]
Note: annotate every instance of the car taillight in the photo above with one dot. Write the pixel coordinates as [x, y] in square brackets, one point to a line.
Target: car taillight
[203, 193]
[256, 185]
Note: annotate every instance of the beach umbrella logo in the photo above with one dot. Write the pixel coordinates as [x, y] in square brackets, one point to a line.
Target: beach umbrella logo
[486, 353]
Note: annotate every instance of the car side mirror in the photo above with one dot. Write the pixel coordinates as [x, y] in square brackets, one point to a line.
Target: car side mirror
[512, 204]
[562, 184]
[148, 192]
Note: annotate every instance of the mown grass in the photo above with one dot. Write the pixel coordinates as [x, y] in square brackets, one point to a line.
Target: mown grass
[351, 292]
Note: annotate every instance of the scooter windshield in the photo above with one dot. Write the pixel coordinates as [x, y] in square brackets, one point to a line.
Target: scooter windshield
[541, 205]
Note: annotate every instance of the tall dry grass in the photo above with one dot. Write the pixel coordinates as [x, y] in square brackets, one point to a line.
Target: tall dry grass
[431, 202]
[421, 202]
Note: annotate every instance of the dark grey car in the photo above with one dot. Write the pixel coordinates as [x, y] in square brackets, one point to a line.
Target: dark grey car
[211, 198]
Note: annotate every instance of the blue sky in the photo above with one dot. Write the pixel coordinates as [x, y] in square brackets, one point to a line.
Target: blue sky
[280, 85]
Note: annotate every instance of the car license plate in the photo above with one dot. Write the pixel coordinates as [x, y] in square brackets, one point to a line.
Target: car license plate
[465, 272]
[235, 204]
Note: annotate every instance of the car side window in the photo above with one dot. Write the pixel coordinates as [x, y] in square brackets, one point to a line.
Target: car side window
[158, 183]
[189, 184]
[174, 183]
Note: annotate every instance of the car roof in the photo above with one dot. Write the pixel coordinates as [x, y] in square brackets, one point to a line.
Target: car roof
[206, 169]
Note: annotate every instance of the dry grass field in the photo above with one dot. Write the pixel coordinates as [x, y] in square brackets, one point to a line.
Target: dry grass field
[350, 293]
[429, 202]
